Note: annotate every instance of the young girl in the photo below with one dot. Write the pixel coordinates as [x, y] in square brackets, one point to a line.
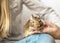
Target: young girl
[5, 19]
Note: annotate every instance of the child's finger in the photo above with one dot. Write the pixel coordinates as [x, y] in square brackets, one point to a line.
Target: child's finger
[48, 23]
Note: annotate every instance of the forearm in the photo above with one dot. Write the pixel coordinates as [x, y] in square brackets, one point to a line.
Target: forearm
[54, 18]
[56, 34]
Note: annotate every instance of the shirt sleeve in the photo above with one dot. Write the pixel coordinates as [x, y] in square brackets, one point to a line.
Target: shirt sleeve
[53, 17]
[35, 5]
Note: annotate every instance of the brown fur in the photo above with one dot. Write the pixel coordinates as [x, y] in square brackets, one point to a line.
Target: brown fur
[34, 23]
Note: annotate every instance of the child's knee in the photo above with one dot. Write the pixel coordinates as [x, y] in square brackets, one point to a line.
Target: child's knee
[46, 38]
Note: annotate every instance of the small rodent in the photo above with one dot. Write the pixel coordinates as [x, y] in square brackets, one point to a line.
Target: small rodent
[34, 23]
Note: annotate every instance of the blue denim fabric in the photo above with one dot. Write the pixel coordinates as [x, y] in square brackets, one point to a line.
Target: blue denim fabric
[37, 38]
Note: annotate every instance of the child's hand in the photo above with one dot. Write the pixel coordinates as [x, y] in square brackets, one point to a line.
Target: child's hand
[52, 29]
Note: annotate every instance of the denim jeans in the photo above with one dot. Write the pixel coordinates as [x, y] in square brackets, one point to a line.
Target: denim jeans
[38, 38]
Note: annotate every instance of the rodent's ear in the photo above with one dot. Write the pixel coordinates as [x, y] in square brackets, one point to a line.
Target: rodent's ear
[32, 15]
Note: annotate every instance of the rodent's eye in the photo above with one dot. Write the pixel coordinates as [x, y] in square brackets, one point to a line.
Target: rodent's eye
[35, 17]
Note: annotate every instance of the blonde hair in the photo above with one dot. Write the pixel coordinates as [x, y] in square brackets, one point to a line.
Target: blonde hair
[4, 18]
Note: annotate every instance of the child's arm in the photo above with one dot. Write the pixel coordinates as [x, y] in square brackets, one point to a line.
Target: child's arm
[52, 29]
